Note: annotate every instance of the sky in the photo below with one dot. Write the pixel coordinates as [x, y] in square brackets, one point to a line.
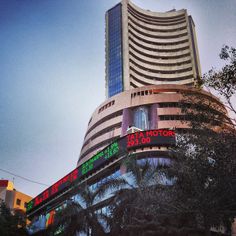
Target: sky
[52, 76]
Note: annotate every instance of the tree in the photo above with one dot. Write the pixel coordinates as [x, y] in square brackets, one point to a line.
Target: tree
[204, 167]
[12, 224]
[82, 215]
[223, 81]
[204, 159]
[126, 210]
[140, 209]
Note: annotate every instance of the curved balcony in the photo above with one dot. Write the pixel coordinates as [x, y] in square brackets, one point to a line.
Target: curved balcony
[159, 67]
[161, 55]
[160, 76]
[167, 17]
[157, 28]
[150, 34]
[139, 81]
[156, 34]
[108, 123]
[153, 47]
[107, 136]
[157, 61]
[159, 41]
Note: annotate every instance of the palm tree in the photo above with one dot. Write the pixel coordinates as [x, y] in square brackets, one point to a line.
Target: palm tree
[12, 222]
[131, 205]
[82, 215]
[141, 208]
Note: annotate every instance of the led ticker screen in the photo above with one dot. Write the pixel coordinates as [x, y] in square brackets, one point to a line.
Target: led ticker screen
[150, 137]
[53, 190]
[101, 157]
[130, 141]
[93, 163]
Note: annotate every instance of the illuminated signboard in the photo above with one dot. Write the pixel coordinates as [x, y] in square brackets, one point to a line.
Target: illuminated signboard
[130, 141]
[150, 138]
[93, 163]
[55, 188]
[100, 158]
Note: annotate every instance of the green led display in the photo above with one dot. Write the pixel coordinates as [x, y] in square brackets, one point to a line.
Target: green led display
[104, 154]
[111, 150]
[30, 205]
[88, 165]
[126, 143]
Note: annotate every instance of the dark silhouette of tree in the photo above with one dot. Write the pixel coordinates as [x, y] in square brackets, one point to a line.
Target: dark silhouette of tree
[204, 169]
[140, 209]
[83, 215]
[204, 159]
[223, 81]
[12, 224]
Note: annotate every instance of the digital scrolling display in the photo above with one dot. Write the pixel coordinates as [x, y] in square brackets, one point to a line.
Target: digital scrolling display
[93, 163]
[126, 143]
[150, 137]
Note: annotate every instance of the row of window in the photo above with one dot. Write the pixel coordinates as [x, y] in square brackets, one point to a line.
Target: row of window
[155, 78]
[185, 62]
[158, 43]
[151, 92]
[166, 30]
[169, 104]
[106, 118]
[159, 50]
[174, 117]
[101, 132]
[109, 104]
[155, 19]
[161, 71]
[158, 56]
[18, 202]
[156, 36]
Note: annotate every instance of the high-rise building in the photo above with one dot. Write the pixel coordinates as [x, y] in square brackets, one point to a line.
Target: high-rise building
[14, 199]
[149, 48]
[151, 63]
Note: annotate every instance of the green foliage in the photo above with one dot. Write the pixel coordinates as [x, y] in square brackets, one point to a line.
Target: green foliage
[224, 80]
[205, 168]
[140, 209]
[11, 224]
[82, 215]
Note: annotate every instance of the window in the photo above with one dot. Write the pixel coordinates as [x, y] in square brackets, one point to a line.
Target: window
[18, 201]
[106, 106]
[141, 120]
[25, 205]
[114, 57]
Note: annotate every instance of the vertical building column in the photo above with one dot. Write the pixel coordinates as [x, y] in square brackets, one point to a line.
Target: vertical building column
[154, 117]
[125, 45]
[127, 120]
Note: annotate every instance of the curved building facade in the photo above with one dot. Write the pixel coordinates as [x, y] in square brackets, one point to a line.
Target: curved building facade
[152, 62]
[149, 48]
[147, 108]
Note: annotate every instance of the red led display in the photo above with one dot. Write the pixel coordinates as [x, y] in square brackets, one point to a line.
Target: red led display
[134, 140]
[150, 137]
[59, 185]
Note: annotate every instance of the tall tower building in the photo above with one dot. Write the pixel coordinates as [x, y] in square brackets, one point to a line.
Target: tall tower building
[151, 63]
[149, 48]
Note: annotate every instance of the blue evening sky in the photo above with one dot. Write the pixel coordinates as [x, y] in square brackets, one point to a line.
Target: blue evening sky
[52, 68]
